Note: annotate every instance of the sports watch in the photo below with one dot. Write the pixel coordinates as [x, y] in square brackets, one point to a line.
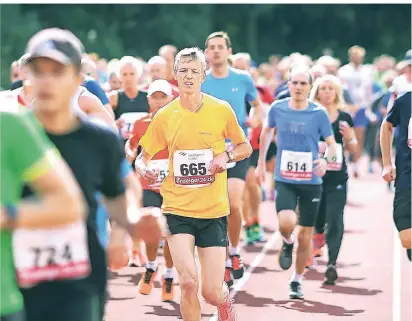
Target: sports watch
[10, 211]
[231, 156]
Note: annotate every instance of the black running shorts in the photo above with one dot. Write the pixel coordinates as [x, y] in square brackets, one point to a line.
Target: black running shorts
[402, 209]
[152, 199]
[207, 232]
[240, 170]
[307, 196]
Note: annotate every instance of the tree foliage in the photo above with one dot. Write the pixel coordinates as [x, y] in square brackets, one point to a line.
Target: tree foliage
[140, 29]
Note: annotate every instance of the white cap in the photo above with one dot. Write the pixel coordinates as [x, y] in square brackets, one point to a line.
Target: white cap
[160, 85]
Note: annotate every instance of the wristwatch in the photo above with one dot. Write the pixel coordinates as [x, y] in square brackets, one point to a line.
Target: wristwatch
[231, 156]
[11, 211]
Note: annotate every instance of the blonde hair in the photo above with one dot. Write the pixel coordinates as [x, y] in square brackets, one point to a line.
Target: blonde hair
[339, 100]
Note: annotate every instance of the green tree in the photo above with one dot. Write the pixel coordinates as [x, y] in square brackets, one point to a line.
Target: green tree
[16, 29]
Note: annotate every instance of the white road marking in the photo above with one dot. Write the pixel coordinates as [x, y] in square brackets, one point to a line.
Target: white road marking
[258, 259]
[396, 289]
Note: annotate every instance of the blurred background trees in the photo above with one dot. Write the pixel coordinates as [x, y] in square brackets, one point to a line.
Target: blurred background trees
[262, 30]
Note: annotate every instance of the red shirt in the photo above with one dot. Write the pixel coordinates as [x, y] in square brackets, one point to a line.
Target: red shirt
[20, 100]
[159, 161]
[266, 98]
[173, 82]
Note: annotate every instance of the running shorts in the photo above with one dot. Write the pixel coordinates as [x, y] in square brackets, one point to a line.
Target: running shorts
[152, 199]
[207, 232]
[402, 209]
[307, 196]
[240, 170]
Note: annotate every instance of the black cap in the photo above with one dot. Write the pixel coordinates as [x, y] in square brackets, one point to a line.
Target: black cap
[56, 44]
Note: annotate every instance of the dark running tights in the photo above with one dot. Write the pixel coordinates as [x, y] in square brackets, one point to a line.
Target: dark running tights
[330, 218]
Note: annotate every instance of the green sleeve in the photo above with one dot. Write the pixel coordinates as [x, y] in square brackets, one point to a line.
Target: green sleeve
[31, 151]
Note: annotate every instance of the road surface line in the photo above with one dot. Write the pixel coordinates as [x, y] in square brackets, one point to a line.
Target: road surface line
[396, 289]
[257, 260]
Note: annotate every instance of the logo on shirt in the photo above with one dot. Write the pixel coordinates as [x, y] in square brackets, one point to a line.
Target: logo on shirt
[204, 133]
[315, 200]
[235, 89]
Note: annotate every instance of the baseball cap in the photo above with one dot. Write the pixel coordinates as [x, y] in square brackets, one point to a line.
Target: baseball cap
[160, 85]
[406, 61]
[56, 44]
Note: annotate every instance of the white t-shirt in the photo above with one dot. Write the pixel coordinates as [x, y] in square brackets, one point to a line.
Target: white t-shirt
[81, 91]
[358, 82]
[401, 85]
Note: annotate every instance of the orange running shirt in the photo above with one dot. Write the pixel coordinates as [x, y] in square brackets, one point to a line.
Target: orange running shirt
[193, 140]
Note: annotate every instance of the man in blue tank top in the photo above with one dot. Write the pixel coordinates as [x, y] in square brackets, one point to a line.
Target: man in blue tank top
[236, 87]
[298, 175]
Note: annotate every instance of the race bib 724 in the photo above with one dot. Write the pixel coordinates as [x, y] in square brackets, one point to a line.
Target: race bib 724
[51, 254]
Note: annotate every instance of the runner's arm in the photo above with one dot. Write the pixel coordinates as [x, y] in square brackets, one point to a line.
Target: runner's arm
[132, 143]
[257, 113]
[236, 134]
[152, 142]
[113, 97]
[331, 147]
[60, 199]
[94, 108]
[252, 97]
[113, 186]
[94, 87]
[266, 135]
[391, 120]
[351, 144]
[133, 187]
[326, 132]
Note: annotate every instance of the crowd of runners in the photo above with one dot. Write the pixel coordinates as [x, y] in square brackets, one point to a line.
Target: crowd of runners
[103, 163]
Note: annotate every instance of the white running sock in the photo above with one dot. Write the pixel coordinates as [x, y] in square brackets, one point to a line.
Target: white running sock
[228, 263]
[290, 240]
[152, 265]
[234, 250]
[296, 277]
[168, 273]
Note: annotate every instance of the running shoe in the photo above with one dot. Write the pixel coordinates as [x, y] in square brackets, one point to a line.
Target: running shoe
[295, 290]
[249, 235]
[145, 285]
[228, 276]
[285, 256]
[257, 233]
[226, 311]
[237, 266]
[167, 290]
[331, 275]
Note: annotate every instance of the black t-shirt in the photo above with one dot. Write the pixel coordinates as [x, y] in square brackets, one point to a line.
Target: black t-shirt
[400, 117]
[341, 176]
[94, 154]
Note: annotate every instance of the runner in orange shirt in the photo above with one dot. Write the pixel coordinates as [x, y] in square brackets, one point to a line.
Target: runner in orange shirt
[159, 94]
